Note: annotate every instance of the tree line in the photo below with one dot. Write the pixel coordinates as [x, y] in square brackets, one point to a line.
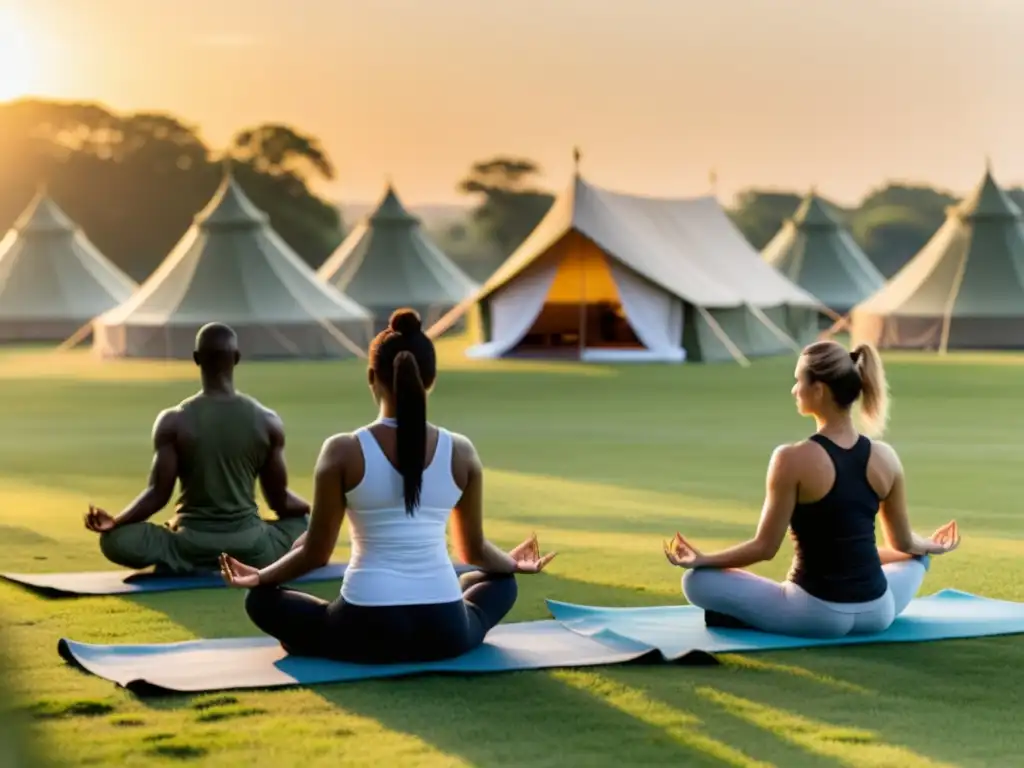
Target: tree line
[134, 181]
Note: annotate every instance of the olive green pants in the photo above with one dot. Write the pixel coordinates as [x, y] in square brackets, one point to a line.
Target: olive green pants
[141, 545]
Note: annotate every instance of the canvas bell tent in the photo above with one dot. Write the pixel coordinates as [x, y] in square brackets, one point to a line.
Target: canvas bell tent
[232, 267]
[963, 290]
[388, 262]
[53, 280]
[817, 253]
[620, 277]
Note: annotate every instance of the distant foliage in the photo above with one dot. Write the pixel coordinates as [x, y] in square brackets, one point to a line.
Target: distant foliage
[510, 205]
[891, 224]
[133, 182]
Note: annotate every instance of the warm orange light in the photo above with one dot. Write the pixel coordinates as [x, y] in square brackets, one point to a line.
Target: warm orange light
[19, 64]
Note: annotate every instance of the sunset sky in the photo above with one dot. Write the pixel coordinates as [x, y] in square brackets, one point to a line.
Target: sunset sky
[839, 93]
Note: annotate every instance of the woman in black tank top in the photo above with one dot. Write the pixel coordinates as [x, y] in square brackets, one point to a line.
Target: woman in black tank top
[826, 492]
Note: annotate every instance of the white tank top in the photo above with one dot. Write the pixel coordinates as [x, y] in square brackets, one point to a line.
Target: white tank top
[398, 559]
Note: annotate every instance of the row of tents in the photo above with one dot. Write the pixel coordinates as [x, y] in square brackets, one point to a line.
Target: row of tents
[604, 276]
[230, 266]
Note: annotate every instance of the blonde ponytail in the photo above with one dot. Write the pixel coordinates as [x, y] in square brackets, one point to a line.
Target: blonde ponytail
[874, 396]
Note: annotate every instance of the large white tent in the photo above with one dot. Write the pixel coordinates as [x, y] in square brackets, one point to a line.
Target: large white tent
[614, 276]
[232, 267]
[53, 280]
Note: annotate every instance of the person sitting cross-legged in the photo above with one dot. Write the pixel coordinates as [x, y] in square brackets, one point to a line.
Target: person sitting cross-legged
[399, 481]
[217, 443]
[827, 491]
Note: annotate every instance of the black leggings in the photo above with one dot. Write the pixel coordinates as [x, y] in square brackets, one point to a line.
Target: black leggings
[308, 626]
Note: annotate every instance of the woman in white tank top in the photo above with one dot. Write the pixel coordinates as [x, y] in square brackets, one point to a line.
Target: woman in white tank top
[400, 479]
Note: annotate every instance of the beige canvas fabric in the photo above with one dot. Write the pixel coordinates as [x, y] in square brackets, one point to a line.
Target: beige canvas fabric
[686, 245]
[53, 280]
[232, 267]
[686, 248]
[964, 289]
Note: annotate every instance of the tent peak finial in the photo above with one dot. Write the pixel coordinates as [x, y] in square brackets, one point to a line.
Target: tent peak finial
[576, 155]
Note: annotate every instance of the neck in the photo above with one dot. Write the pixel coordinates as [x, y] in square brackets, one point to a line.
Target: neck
[387, 410]
[835, 423]
[218, 384]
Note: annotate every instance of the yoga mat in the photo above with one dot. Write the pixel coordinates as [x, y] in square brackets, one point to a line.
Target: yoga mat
[260, 662]
[679, 630]
[129, 582]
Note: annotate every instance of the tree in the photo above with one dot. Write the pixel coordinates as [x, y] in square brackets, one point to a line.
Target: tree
[277, 149]
[511, 206]
[895, 221]
[134, 182]
[759, 214]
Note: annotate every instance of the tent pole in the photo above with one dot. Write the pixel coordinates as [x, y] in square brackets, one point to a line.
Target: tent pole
[583, 299]
[75, 339]
[716, 329]
[947, 314]
[784, 337]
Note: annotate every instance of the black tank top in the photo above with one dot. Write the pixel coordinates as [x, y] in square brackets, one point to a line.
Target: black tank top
[836, 558]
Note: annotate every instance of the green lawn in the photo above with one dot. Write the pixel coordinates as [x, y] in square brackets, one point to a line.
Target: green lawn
[603, 463]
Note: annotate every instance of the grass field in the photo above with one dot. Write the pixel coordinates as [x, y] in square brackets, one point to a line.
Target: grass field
[603, 463]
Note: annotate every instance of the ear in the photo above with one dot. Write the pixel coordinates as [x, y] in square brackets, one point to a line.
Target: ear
[238, 357]
[195, 358]
[371, 377]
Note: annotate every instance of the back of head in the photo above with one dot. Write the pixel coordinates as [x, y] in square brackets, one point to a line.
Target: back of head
[404, 361]
[852, 376]
[216, 350]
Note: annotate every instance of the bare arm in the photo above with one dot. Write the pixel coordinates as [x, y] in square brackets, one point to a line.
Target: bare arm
[274, 475]
[163, 473]
[467, 519]
[325, 520]
[780, 498]
[899, 537]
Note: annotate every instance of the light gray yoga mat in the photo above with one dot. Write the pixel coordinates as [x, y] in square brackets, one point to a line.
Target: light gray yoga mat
[260, 662]
[677, 630]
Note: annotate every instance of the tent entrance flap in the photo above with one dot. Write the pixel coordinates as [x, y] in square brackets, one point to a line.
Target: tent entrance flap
[583, 308]
[595, 303]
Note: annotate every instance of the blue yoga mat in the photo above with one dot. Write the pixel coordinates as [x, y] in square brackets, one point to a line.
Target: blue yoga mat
[129, 583]
[260, 662]
[679, 630]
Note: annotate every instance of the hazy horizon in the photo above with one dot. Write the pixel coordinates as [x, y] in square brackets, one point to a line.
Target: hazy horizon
[774, 94]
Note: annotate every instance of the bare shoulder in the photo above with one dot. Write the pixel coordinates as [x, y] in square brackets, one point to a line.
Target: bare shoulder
[339, 449]
[463, 449]
[887, 455]
[789, 455]
[166, 423]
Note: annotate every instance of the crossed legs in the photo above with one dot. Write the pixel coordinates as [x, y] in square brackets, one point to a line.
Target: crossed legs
[308, 626]
[786, 609]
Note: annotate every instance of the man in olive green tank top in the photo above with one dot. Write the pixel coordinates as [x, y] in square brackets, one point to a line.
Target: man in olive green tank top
[217, 444]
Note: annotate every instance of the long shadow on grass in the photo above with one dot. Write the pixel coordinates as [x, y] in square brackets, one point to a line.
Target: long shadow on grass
[919, 704]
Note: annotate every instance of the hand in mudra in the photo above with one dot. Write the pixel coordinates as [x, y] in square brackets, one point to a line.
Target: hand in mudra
[528, 558]
[945, 539]
[236, 574]
[681, 553]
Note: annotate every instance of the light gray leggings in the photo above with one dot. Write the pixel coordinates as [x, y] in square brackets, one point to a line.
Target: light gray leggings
[786, 609]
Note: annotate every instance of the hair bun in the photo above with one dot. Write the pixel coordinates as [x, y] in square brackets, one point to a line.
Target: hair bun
[406, 322]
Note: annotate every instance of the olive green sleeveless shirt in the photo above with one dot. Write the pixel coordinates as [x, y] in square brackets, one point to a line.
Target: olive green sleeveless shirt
[223, 443]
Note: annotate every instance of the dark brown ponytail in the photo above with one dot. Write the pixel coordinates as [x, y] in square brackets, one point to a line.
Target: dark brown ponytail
[403, 358]
[411, 415]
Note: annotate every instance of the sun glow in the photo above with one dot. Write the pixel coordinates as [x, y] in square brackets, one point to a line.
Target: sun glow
[18, 61]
